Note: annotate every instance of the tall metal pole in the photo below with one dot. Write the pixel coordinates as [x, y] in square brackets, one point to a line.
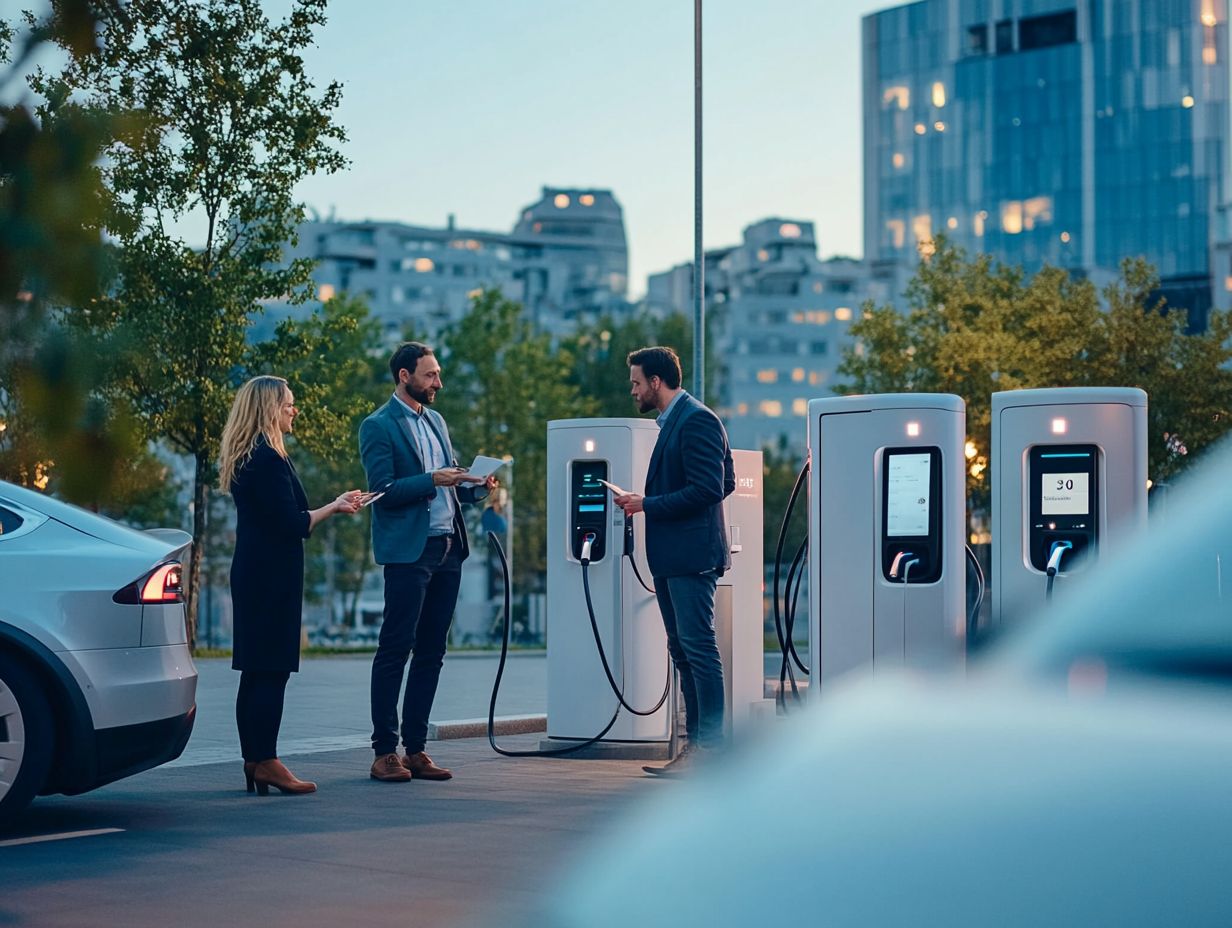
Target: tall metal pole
[699, 260]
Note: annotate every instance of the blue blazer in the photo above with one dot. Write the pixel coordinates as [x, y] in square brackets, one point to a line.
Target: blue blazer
[689, 475]
[400, 517]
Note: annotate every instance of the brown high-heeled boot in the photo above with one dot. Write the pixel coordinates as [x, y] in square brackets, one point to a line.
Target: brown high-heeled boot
[249, 767]
[274, 773]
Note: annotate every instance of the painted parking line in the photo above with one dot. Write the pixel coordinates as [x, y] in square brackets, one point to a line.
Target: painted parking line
[62, 836]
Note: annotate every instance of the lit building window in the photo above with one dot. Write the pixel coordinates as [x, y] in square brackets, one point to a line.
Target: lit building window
[952, 222]
[789, 230]
[938, 94]
[1011, 217]
[587, 199]
[897, 95]
[1065, 237]
[562, 200]
[977, 222]
[1208, 54]
[763, 255]
[799, 406]
[816, 378]
[922, 228]
[797, 375]
[1187, 101]
[768, 375]
[939, 126]
[423, 265]
[771, 408]
[898, 160]
[1208, 13]
[1227, 283]
[920, 128]
[325, 292]
[474, 294]
[898, 230]
[1036, 210]
[742, 409]
[843, 314]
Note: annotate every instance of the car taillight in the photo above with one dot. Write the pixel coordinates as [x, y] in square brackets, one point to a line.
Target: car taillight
[163, 584]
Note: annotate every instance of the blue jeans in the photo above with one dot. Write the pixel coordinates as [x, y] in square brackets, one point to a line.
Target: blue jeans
[419, 604]
[687, 605]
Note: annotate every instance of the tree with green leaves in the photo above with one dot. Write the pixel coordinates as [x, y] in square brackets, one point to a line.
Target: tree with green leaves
[973, 327]
[56, 432]
[336, 387]
[598, 351]
[229, 123]
[503, 384]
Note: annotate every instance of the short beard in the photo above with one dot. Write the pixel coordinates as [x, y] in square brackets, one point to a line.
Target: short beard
[423, 397]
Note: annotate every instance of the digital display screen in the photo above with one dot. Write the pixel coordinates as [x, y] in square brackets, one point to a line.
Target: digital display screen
[590, 507]
[907, 488]
[1065, 494]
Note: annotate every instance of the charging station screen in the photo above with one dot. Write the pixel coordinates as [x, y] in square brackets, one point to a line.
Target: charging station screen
[1065, 494]
[909, 479]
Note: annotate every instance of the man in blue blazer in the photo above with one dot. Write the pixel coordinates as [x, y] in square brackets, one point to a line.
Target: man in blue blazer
[689, 475]
[419, 537]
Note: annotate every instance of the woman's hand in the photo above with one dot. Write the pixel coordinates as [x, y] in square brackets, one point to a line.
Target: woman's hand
[349, 502]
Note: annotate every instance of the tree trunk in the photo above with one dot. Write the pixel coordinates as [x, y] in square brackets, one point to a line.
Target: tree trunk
[192, 597]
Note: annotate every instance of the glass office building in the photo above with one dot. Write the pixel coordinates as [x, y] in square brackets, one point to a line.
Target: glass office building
[1069, 132]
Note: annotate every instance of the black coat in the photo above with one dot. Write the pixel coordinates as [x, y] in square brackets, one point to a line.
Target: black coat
[690, 474]
[267, 571]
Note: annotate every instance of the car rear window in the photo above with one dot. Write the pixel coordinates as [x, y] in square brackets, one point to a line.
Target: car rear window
[9, 521]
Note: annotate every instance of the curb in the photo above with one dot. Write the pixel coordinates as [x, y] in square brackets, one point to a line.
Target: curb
[478, 728]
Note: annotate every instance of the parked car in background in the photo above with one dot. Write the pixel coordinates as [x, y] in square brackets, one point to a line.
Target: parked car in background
[1079, 774]
[96, 678]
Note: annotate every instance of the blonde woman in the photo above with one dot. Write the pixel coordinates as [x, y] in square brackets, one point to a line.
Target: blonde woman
[267, 571]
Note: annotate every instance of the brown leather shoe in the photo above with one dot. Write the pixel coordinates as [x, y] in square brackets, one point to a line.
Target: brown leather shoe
[679, 765]
[420, 766]
[387, 767]
[274, 773]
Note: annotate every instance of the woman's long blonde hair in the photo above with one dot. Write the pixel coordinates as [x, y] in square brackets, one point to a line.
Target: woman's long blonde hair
[254, 415]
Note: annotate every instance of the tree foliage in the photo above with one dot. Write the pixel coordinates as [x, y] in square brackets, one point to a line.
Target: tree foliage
[229, 122]
[973, 327]
[503, 384]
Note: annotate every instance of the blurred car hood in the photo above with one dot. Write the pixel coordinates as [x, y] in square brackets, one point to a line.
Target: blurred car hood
[923, 803]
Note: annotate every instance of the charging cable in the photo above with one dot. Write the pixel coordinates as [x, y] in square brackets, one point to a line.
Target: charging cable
[1055, 553]
[587, 540]
[974, 570]
[907, 565]
[784, 610]
[500, 672]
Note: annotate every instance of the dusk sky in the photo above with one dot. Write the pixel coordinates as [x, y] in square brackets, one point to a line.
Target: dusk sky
[471, 107]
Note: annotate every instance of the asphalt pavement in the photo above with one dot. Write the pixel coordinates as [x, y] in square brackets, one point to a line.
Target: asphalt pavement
[185, 845]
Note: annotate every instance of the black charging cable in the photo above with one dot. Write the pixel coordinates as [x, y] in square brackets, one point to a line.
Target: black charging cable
[974, 570]
[500, 672]
[1055, 553]
[785, 610]
[594, 627]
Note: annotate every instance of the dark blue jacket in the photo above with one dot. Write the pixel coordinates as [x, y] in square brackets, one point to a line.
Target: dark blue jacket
[689, 476]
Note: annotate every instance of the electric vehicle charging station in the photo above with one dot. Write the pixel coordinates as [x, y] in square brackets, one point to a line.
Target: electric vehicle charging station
[738, 622]
[581, 452]
[887, 509]
[1068, 483]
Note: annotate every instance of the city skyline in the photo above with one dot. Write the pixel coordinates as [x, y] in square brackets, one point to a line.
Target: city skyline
[493, 106]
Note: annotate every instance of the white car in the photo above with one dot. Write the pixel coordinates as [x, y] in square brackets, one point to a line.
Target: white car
[96, 678]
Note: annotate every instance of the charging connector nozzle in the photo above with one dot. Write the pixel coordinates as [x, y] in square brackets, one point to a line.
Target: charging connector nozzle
[587, 540]
[1055, 553]
[897, 562]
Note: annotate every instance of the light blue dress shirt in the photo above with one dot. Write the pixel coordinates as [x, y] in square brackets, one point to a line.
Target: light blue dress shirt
[432, 454]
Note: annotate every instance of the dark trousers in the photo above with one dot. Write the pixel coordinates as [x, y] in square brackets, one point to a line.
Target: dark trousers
[687, 605]
[419, 603]
[258, 712]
